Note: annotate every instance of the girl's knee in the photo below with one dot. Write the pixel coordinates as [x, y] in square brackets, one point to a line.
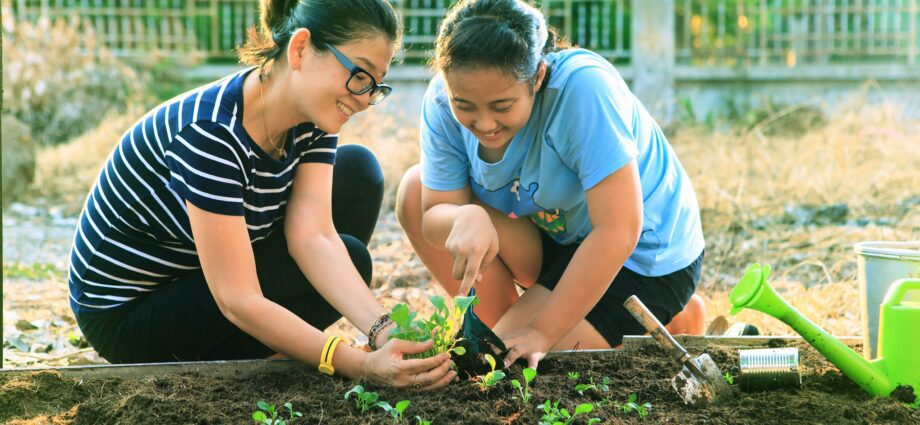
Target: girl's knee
[409, 199]
[360, 257]
[358, 164]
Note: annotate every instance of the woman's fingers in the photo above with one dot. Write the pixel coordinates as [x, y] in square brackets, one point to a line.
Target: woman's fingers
[403, 346]
[471, 275]
[441, 383]
[417, 366]
[459, 266]
[433, 376]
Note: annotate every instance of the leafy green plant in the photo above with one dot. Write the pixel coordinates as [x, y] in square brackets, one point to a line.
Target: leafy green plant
[729, 378]
[395, 412]
[553, 415]
[573, 376]
[641, 409]
[364, 400]
[529, 374]
[604, 386]
[267, 415]
[492, 378]
[442, 325]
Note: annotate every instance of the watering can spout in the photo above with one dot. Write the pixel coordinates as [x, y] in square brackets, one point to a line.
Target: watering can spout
[755, 293]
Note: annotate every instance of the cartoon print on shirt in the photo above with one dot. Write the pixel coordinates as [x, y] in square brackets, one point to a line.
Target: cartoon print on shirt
[551, 221]
[521, 204]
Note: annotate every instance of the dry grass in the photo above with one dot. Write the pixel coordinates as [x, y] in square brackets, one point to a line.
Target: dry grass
[64, 173]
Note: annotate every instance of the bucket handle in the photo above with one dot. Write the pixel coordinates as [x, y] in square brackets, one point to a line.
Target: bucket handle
[899, 289]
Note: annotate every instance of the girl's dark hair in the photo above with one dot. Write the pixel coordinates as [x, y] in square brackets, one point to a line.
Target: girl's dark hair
[510, 35]
[329, 21]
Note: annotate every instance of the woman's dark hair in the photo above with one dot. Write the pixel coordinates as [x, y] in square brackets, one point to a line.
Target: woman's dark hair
[510, 35]
[329, 21]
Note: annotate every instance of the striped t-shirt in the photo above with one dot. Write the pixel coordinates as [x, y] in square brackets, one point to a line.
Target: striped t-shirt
[134, 233]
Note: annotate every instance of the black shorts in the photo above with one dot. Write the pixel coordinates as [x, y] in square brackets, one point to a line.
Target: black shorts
[665, 296]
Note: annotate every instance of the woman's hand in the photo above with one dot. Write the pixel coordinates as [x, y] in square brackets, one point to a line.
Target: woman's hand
[386, 366]
[473, 244]
[527, 343]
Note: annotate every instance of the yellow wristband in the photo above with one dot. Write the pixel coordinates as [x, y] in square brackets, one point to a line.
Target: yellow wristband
[325, 359]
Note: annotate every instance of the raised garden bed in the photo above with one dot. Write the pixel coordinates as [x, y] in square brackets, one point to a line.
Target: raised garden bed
[227, 392]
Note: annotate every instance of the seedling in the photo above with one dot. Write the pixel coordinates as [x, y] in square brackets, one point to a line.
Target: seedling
[529, 374]
[729, 378]
[492, 378]
[422, 421]
[395, 412]
[641, 409]
[267, 415]
[574, 376]
[553, 415]
[364, 400]
[604, 386]
[442, 325]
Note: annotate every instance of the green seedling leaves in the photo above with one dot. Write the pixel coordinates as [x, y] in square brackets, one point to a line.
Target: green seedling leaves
[554, 415]
[631, 405]
[442, 326]
[268, 415]
[729, 378]
[529, 375]
[574, 376]
[364, 400]
[395, 412]
[422, 421]
[492, 378]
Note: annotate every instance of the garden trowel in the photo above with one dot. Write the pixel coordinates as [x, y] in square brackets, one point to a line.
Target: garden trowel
[477, 340]
[700, 382]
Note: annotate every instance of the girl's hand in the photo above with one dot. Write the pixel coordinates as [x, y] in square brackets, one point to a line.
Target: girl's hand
[386, 366]
[527, 343]
[473, 244]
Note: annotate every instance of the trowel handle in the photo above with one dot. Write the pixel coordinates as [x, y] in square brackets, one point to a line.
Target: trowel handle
[655, 328]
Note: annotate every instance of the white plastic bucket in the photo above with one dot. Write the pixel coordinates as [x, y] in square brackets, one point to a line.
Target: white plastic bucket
[880, 265]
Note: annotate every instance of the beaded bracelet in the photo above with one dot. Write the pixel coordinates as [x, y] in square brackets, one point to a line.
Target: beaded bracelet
[378, 325]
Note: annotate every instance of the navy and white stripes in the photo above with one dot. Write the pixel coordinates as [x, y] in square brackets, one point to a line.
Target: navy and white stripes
[134, 233]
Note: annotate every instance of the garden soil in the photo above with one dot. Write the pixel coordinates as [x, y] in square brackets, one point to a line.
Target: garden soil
[826, 396]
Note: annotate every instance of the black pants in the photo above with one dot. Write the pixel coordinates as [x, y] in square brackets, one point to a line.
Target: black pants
[665, 296]
[180, 321]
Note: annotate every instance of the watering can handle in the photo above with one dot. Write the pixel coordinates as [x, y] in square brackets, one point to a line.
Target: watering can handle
[651, 324]
[899, 289]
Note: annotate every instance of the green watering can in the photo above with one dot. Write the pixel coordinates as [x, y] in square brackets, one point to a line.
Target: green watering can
[898, 362]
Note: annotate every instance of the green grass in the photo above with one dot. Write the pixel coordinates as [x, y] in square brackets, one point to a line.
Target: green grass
[30, 271]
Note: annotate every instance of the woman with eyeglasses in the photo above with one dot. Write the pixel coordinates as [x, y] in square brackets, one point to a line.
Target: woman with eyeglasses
[227, 224]
[540, 171]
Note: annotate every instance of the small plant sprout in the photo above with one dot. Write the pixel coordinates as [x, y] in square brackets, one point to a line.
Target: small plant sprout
[641, 409]
[364, 400]
[442, 326]
[267, 415]
[604, 386]
[729, 378]
[529, 374]
[574, 376]
[422, 421]
[395, 412]
[553, 415]
[492, 378]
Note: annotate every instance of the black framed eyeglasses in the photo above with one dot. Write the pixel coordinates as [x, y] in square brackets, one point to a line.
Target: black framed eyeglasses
[361, 81]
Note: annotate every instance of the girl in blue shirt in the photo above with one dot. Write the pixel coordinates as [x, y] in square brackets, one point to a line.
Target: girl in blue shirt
[538, 165]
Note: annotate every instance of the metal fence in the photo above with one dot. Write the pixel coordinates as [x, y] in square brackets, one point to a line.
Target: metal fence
[762, 32]
[706, 32]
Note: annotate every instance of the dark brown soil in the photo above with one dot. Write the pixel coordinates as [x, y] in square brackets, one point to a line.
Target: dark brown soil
[826, 396]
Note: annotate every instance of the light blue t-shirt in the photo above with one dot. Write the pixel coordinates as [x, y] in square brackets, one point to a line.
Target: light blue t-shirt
[585, 126]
